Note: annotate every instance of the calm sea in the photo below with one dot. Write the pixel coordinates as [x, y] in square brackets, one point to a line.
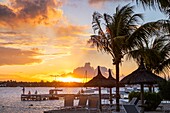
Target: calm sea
[10, 100]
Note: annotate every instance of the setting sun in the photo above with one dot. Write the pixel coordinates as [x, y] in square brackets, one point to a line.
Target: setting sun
[69, 79]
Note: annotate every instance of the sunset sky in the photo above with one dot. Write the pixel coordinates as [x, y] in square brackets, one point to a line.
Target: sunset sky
[40, 39]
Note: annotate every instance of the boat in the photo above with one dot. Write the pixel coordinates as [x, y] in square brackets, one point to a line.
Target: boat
[53, 93]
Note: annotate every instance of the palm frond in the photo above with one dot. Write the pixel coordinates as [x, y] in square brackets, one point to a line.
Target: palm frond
[163, 5]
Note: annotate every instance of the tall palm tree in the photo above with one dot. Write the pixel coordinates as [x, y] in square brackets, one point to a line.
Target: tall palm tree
[118, 34]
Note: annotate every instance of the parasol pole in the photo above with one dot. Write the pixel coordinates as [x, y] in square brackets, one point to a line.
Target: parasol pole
[142, 98]
[100, 106]
[111, 96]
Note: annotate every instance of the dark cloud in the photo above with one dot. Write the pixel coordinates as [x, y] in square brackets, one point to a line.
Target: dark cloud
[11, 56]
[29, 11]
[81, 71]
[33, 8]
[6, 12]
[86, 71]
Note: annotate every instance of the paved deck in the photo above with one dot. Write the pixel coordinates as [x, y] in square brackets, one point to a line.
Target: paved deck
[85, 111]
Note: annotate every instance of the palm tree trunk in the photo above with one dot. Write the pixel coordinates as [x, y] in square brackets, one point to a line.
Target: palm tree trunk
[117, 87]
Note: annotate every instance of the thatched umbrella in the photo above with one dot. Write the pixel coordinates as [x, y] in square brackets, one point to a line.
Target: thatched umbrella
[141, 76]
[111, 83]
[98, 81]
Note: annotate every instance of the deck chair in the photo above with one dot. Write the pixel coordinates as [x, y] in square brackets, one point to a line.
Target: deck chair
[68, 103]
[130, 109]
[133, 101]
[139, 104]
[93, 104]
[166, 107]
[82, 102]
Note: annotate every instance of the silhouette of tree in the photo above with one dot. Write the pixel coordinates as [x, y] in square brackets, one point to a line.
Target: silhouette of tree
[163, 5]
[119, 34]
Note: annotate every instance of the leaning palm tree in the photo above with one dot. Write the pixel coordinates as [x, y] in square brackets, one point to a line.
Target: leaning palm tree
[119, 34]
[155, 52]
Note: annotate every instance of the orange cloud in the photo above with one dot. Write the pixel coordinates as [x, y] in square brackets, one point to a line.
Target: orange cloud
[30, 12]
[10, 56]
[101, 3]
[12, 39]
[17, 77]
[70, 30]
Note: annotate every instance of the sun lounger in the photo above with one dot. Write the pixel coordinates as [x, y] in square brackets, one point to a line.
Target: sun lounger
[165, 107]
[133, 101]
[82, 103]
[93, 104]
[139, 105]
[130, 109]
[68, 103]
[140, 102]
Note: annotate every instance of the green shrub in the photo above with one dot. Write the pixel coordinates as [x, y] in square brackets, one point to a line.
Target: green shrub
[152, 99]
[134, 94]
[164, 90]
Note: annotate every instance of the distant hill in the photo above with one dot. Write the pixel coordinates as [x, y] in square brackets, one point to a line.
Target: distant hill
[39, 84]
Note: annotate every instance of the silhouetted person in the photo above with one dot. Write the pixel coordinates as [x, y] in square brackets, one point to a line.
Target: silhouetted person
[29, 92]
[23, 90]
[36, 92]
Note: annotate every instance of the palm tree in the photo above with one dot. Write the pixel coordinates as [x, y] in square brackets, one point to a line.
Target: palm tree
[114, 35]
[156, 50]
[119, 34]
[164, 5]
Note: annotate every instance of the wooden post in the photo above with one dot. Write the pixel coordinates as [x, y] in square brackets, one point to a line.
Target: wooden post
[100, 106]
[111, 96]
[142, 98]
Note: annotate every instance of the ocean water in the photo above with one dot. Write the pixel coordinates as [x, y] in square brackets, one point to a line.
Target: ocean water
[10, 100]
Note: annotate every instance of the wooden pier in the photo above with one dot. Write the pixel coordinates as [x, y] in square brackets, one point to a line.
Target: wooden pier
[42, 97]
[34, 97]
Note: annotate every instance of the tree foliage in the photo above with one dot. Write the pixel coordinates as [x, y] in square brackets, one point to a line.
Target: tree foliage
[121, 33]
[155, 50]
[163, 5]
[164, 90]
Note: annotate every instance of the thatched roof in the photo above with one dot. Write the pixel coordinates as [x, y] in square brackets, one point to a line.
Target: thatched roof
[111, 82]
[98, 81]
[141, 76]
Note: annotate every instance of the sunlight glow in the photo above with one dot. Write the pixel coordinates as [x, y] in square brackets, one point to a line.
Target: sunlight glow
[69, 79]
